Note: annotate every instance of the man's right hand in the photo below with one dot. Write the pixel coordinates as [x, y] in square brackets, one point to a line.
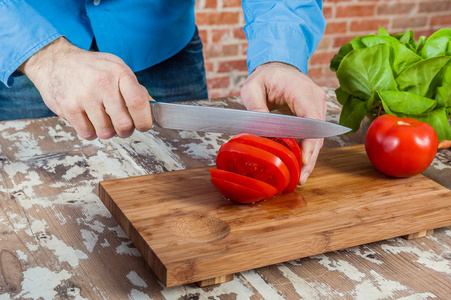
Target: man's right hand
[96, 92]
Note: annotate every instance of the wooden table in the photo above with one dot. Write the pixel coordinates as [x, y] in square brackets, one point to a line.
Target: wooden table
[57, 239]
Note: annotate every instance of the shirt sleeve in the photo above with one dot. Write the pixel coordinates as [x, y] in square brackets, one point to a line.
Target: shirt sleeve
[284, 31]
[23, 31]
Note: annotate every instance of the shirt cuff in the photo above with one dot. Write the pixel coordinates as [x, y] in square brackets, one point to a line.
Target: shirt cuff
[281, 43]
[23, 32]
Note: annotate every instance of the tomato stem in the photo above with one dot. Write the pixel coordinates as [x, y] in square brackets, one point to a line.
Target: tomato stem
[403, 123]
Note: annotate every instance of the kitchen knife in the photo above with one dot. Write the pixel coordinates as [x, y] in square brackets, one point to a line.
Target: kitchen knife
[235, 121]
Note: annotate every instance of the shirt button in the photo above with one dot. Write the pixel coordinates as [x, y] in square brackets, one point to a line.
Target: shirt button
[96, 2]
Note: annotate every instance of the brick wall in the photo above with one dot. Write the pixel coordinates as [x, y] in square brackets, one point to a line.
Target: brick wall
[220, 24]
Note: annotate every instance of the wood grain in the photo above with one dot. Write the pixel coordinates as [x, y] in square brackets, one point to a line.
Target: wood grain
[348, 203]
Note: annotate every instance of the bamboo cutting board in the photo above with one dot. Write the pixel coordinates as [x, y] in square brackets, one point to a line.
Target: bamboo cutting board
[187, 232]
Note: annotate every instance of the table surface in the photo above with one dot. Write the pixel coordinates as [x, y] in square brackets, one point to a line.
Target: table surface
[58, 241]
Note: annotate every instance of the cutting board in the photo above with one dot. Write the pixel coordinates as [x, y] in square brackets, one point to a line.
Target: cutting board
[187, 232]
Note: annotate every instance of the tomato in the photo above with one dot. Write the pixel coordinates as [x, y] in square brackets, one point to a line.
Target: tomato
[291, 144]
[283, 152]
[400, 147]
[255, 163]
[237, 192]
[259, 185]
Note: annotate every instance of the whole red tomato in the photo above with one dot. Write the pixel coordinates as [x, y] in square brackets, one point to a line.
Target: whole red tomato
[400, 147]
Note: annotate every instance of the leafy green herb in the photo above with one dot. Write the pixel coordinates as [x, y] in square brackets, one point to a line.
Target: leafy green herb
[397, 75]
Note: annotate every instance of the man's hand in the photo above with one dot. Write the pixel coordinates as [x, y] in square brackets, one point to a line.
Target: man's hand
[96, 92]
[275, 85]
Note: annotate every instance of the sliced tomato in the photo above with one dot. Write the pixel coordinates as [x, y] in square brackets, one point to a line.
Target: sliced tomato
[291, 144]
[237, 192]
[253, 183]
[253, 162]
[278, 149]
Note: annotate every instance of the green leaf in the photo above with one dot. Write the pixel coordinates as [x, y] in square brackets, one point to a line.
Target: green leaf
[419, 78]
[402, 58]
[437, 43]
[420, 44]
[408, 39]
[373, 39]
[446, 76]
[443, 96]
[342, 96]
[407, 103]
[365, 70]
[352, 113]
[383, 32]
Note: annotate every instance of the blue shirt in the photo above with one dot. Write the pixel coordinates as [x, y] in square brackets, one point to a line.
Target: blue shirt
[146, 32]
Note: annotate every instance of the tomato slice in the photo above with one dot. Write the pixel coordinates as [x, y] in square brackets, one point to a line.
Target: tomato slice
[278, 149]
[237, 192]
[249, 182]
[255, 163]
[291, 144]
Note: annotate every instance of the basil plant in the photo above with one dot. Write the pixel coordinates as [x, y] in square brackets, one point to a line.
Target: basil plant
[394, 74]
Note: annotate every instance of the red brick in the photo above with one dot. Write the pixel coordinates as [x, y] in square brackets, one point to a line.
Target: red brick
[231, 3]
[355, 10]
[321, 58]
[409, 23]
[335, 1]
[203, 35]
[217, 18]
[220, 50]
[239, 34]
[209, 4]
[231, 65]
[435, 6]
[343, 39]
[336, 27]
[216, 94]
[396, 8]
[425, 32]
[441, 20]
[328, 12]
[220, 35]
[218, 83]
[209, 66]
[368, 25]
[326, 42]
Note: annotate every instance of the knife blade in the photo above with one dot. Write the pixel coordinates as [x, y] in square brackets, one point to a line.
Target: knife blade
[235, 121]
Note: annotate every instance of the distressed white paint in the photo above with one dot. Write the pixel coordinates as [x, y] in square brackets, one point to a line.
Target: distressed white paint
[21, 255]
[127, 248]
[304, 288]
[240, 290]
[135, 279]
[377, 288]
[138, 295]
[40, 283]
[205, 145]
[341, 266]
[427, 259]
[257, 282]
[119, 232]
[89, 239]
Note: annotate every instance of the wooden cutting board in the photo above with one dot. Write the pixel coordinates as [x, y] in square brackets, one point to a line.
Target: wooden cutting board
[187, 232]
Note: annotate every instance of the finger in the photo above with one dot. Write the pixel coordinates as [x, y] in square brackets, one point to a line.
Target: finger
[119, 115]
[310, 150]
[253, 96]
[82, 125]
[136, 100]
[100, 120]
